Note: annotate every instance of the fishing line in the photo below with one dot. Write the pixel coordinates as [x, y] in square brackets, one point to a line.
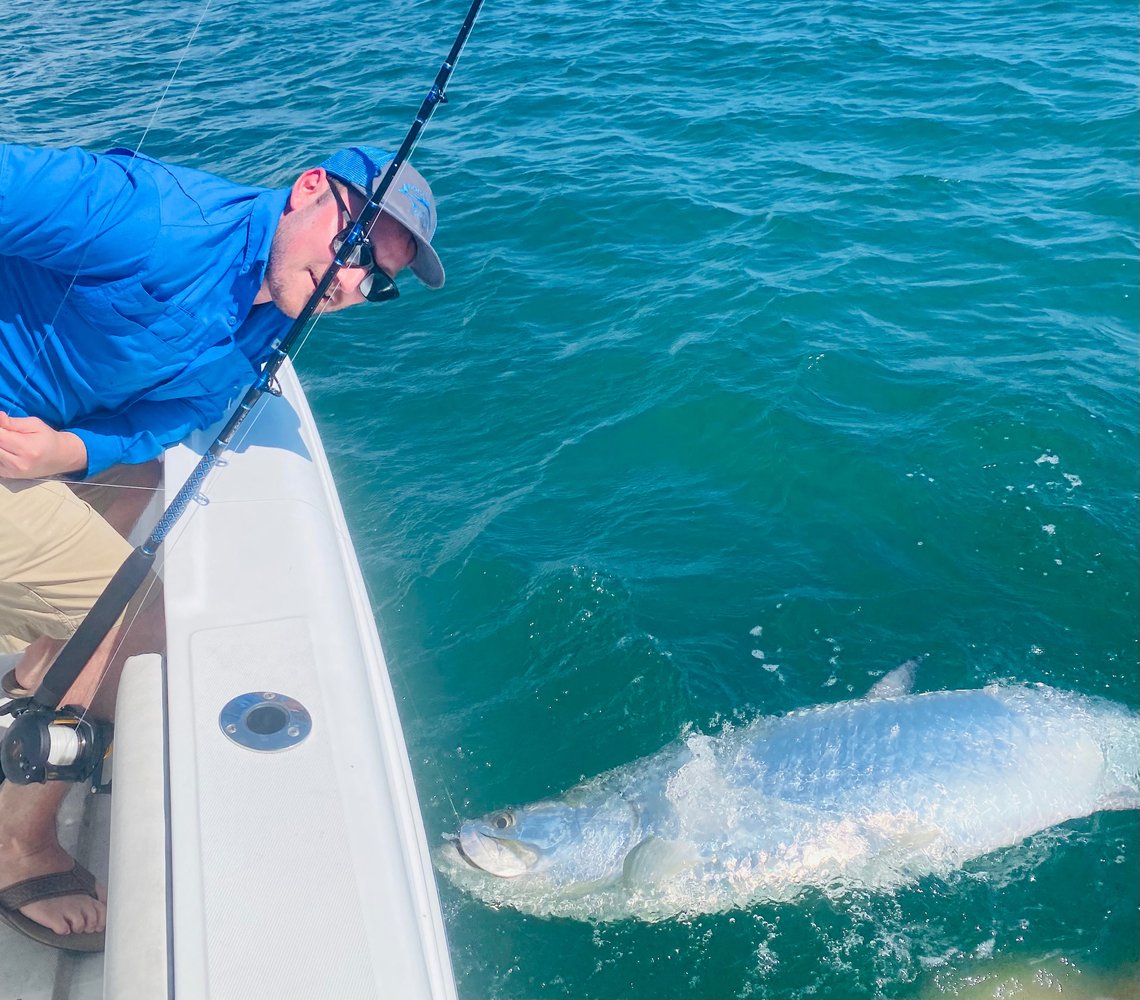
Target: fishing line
[105, 486]
[136, 608]
[45, 337]
[50, 326]
[178, 66]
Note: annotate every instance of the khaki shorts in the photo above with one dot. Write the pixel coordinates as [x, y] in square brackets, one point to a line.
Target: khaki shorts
[56, 557]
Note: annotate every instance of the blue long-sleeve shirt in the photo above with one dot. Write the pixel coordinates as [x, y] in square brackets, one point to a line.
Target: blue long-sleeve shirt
[126, 296]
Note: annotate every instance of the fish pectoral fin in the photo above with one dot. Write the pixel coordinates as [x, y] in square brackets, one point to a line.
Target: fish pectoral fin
[655, 859]
[897, 683]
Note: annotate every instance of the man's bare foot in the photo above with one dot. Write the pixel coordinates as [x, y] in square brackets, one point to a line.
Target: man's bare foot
[77, 914]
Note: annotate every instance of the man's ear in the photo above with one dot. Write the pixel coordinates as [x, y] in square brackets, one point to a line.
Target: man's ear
[307, 188]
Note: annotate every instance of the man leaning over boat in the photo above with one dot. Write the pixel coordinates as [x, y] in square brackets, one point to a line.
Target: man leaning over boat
[137, 299]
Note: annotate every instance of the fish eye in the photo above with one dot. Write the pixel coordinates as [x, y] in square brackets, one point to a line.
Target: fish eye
[503, 820]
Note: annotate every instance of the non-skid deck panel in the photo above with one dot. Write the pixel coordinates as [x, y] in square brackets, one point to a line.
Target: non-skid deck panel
[298, 889]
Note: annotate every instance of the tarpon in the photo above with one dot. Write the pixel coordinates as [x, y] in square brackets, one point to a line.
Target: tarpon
[869, 793]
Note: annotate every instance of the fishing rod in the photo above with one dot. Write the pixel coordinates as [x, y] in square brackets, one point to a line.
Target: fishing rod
[28, 751]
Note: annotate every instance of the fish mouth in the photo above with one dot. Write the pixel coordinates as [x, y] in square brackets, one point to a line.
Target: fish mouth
[499, 856]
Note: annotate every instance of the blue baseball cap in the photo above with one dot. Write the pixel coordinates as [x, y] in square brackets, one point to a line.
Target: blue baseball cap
[409, 201]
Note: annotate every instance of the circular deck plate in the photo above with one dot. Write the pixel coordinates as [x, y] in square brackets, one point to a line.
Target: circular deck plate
[265, 721]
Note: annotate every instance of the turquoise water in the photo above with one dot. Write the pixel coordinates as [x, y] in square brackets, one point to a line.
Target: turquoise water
[781, 343]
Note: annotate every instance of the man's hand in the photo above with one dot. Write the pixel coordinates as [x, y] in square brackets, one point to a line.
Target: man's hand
[30, 449]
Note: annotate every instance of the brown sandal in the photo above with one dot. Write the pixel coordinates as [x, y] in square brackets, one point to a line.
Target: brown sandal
[12, 687]
[77, 882]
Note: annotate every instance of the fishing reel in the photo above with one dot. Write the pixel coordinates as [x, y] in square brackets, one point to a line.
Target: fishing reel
[43, 744]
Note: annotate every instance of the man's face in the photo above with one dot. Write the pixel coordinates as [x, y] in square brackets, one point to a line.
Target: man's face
[302, 246]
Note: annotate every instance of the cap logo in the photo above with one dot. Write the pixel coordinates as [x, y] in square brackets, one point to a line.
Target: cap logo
[419, 205]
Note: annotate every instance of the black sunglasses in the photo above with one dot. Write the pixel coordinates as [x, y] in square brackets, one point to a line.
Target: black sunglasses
[377, 285]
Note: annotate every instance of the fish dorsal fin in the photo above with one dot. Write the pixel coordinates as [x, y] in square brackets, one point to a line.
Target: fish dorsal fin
[898, 682]
[655, 859]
